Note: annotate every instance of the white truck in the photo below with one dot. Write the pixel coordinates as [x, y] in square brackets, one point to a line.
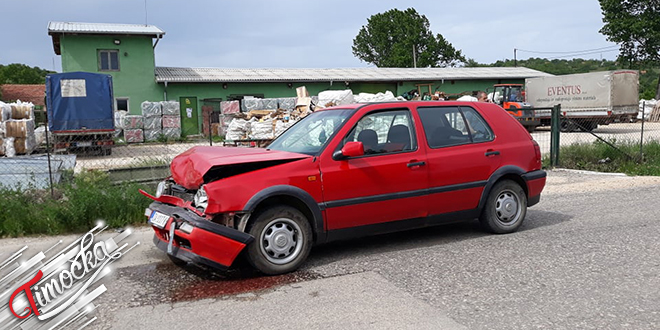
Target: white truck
[588, 99]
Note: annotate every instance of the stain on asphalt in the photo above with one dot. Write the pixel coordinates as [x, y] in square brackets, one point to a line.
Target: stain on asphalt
[167, 283]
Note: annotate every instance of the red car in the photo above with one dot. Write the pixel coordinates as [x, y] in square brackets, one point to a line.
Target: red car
[346, 172]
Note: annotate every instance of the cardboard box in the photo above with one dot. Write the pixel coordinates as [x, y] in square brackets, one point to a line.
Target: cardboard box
[302, 92]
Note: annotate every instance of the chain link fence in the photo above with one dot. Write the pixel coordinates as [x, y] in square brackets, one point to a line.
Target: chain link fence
[572, 137]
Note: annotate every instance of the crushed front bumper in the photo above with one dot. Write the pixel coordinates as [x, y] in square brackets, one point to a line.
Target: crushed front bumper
[192, 238]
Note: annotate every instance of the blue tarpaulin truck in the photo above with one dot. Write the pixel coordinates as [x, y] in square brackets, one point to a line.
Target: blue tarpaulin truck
[80, 112]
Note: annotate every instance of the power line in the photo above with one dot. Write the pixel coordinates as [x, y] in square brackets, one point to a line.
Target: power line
[587, 53]
[569, 52]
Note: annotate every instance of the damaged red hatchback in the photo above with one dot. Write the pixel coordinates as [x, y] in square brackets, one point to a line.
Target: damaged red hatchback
[347, 172]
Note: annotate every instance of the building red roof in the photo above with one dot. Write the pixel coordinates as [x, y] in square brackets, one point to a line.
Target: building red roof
[25, 93]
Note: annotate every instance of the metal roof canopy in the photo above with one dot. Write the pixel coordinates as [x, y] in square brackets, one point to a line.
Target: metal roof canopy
[56, 29]
[205, 75]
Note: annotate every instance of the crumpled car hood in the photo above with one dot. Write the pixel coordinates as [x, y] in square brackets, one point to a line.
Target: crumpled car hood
[190, 168]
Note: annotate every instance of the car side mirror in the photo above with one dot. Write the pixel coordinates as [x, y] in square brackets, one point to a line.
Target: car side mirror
[350, 149]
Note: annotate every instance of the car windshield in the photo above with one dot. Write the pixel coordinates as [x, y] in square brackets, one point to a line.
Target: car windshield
[312, 132]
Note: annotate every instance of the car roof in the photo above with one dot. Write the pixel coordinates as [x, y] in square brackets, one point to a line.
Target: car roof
[395, 103]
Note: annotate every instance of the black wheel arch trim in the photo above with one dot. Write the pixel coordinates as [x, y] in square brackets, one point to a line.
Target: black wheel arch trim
[318, 226]
[506, 170]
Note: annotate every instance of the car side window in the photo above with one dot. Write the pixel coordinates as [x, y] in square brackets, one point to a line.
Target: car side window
[385, 132]
[450, 126]
[479, 129]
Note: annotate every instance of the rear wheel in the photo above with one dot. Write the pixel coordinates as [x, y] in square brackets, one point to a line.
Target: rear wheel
[505, 208]
[283, 239]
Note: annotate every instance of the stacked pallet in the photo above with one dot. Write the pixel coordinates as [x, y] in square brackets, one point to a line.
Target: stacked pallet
[17, 129]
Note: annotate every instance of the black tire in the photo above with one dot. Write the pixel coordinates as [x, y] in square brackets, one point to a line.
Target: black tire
[530, 129]
[505, 208]
[283, 239]
[589, 126]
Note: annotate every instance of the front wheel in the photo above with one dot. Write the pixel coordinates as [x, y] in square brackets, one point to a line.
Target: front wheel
[283, 239]
[505, 208]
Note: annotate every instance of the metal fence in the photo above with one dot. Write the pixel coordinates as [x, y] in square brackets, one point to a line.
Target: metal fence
[41, 160]
[628, 136]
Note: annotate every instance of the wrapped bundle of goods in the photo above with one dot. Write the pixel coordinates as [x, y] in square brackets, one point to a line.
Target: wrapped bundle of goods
[152, 134]
[8, 147]
[332, 98]
[269, 104]
[171, 132]
[252, 104]
[133, 122]
[22, 111]
[5, 111]
[22, 128]
[171, 121]
[25, 145]
[230, 107]
[119, 122]
[288, 103]
[151, 109]
[379, 97]
[133, 135]
[236, 129]
[170, 108]
[281, 126]
[261, 130]
[152, 123]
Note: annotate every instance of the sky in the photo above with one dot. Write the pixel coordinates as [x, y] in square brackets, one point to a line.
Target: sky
[306, 34]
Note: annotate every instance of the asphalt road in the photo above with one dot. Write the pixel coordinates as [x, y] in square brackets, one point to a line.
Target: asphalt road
[587, 257]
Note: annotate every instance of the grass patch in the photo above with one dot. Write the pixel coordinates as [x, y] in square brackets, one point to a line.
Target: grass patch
[600, 157]
[151, 162]
[76, 207]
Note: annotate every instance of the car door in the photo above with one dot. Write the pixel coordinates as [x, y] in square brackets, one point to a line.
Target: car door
[461, 157]
[387, 183]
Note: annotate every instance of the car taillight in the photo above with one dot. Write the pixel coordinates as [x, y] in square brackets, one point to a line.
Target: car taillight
[537, 151]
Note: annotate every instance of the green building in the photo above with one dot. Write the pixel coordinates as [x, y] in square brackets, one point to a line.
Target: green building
[126, 51]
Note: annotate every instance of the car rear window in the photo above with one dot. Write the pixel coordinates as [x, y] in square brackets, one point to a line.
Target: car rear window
[450, 126]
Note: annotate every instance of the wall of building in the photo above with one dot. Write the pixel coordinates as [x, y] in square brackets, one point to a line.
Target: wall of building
[135, 78]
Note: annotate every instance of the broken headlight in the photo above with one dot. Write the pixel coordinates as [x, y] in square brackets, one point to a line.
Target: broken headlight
[201, 200]
[163, 188]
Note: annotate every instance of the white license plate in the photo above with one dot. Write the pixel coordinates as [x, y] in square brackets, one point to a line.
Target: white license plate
[158, 219]
[84, 144]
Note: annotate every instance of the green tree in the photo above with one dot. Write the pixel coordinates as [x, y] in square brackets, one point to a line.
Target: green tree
[389, 40]
[22, 74]
[635, 26]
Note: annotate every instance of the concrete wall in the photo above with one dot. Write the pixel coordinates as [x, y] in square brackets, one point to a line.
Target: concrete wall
[135, 79]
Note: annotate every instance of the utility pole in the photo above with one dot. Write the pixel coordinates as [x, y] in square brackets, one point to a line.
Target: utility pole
[515, 58]
[414, 58]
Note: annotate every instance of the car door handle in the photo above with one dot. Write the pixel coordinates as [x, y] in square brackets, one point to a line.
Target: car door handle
[413, 164]
[492, 153]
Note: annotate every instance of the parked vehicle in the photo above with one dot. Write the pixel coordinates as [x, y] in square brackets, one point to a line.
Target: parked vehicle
[510, 97]
[589, 99]
[346, 172]
[80, 112]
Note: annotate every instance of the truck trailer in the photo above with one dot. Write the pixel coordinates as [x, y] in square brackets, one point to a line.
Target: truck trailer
[80, 112]
[587, 99]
